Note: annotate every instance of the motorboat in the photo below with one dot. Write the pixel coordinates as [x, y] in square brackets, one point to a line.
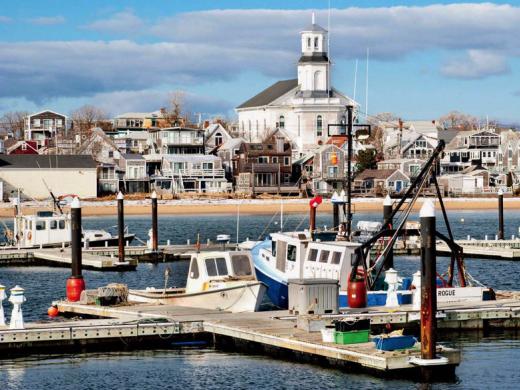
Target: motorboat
[221, 280]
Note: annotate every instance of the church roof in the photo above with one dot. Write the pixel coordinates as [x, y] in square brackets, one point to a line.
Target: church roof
[315, 28]
[270, 93]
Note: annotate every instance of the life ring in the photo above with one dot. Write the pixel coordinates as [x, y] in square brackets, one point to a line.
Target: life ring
[29, 236]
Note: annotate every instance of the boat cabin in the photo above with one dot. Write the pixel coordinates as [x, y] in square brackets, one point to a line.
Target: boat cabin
[44, 228]
[209, 270]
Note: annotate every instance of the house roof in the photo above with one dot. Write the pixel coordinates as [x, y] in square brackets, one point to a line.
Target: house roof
[141, 115]
[375, 174]
[24, 161]
[270, 94]
[41, 112]
[132, 156]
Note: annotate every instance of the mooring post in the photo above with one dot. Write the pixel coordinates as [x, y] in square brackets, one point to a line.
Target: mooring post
[387, 221]
[121, 225]
[428, 286]
[155, 238]
[500, 214]
[75, 284]
[335, 215]
[312, 221]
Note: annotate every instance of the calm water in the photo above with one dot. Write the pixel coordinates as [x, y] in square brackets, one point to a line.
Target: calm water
[487, 361]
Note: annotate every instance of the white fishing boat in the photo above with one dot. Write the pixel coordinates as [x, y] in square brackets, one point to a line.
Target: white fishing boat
[216, 280]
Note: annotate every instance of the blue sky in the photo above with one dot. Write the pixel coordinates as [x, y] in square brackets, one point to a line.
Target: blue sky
[427, 58]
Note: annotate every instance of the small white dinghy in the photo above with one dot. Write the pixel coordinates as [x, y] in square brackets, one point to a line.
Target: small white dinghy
[216, 280]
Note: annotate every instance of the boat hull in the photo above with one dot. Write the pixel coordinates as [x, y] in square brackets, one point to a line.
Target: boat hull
[113, 241]
[241, 298]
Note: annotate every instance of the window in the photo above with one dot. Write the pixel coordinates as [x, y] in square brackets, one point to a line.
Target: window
[24, 146]
[47, 124]
[273, 248]
[194, 269]
[313, 254]
[241, 265]
[61, 224]
[309, 43]
[324, 256]
[319, 126]
[316, 42]
[274, 160]
[40, 225]
[110, 154]
[208, 166]
[54, 225]
[286, 161]
[282, 122]
[218, 139]
[263, 160]
[336, 257]
[333, 171]
[391, 184]
[291, 252]
[216, 267]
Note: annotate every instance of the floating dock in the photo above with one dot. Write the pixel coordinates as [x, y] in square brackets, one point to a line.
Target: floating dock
[485, 249]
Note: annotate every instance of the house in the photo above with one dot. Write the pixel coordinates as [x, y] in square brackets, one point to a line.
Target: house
[135, 178]
[458, 184]
[12, 146]
[226, 152]
[140, 121]
[216, 135]
[305, 106]
[132, 142]
[409, 166]
[381, 181]
[264, 166]
[329, 169]
[35, 175]
[178, 140]
[191, 173]
[44, 125]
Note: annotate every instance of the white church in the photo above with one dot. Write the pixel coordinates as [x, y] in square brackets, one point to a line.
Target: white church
[302, 107]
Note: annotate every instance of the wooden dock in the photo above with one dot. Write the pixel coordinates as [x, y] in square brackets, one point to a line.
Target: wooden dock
[485, 249]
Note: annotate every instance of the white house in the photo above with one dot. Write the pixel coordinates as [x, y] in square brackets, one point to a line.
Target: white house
[303, 107]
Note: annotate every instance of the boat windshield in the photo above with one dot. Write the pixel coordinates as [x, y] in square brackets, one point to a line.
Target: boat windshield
[216, 267]
[241, 265]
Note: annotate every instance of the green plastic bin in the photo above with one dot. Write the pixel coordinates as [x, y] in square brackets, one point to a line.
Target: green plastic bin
[352, 337]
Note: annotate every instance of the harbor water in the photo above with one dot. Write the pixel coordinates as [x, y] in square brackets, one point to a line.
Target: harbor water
[488, 359]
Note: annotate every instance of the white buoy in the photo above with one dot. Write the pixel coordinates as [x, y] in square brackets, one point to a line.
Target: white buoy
[168, 242]
[388, 201]
[2, 297]
[17, 299]
[416, 295]
[462, 220]
[469, 237]
[391, 294]
[486, 237]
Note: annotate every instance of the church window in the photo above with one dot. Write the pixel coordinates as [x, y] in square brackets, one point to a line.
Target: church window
[319, 125]
[316, 42]
[309, 43]
[282, 122]
[218, 139]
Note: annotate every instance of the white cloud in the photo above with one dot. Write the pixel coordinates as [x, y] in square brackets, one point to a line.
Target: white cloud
[5, 19]
[121, 22]
[47, 20]
[475, 65]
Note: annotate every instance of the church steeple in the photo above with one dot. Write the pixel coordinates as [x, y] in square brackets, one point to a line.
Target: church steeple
[313, 66]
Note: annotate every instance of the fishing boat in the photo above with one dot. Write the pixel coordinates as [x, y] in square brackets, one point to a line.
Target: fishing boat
[223, 280]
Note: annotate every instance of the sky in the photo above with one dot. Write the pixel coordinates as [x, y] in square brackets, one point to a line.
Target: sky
[426, 58]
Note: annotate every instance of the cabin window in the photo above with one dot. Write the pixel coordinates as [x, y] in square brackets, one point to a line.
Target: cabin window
[291, 252]
[61, 224]
[273, 248]
[313, 255]
[41, 225]
[324, 256]
[194, 269]
[241, 265]
[336, 257]
[216, 267]
[54, 225]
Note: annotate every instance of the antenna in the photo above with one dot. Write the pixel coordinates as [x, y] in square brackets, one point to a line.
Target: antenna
[366, 88]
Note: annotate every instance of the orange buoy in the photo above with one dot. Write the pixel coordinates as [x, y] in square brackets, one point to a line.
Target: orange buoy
[52, 311]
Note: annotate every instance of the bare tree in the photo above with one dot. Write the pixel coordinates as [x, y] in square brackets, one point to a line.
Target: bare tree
[13, 122]
[459, 120]
[86, 117]
[382, 118]
[174, 113]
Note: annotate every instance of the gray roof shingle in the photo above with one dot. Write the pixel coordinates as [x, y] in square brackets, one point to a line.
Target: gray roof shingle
[270, 94]
[28, 161]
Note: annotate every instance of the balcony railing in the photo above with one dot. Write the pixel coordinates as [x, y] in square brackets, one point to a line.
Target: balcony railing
[208, 173]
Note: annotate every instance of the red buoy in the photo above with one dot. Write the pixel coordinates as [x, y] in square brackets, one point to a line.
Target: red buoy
[74, 288]
[52, 311]
[357, 293]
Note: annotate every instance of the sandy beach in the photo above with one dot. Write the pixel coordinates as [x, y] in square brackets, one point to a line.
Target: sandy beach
[248, 206]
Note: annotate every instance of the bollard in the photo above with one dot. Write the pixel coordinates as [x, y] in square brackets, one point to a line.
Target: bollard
[388, 223]
[428, 286]
[392, 280]
[75, 284]
[486, 237]
[17, 299]
[188, 241]
[121, 226]
[416, 295]
[500, 215]
[469, 237]
[496, 237]
[168, 242]
[155, 234]
[208, 242]
[106, 244]
[2, 297]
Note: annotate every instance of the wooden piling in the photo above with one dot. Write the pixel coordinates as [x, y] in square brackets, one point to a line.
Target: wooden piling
[500, 215]
[387, 218]
[155, 238]
[121, 226]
